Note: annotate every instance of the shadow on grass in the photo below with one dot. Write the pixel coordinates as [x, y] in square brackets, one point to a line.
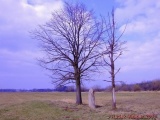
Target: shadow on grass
[98, 106]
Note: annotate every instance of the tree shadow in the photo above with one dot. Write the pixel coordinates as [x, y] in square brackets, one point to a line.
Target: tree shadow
[98, 106]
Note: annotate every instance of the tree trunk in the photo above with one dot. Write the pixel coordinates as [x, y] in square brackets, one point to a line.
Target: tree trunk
[78, 93]
[113, 82]
[113, 98]
[113, 93]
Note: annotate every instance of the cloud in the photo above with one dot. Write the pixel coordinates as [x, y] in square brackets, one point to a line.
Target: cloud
[18, 18]
[22, 12]
[19, 58]
[141, 16]
[18, 52]
[141, 55]
[141, 60]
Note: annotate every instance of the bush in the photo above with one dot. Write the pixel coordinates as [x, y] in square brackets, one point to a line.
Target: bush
[136, 87]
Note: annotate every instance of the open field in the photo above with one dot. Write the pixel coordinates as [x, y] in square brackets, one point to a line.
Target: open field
[61, 106]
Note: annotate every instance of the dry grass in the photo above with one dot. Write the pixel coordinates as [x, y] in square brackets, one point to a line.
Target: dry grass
[61, 106]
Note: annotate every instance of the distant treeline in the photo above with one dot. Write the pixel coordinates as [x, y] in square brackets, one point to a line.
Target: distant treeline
[143, 86]
[24, 90]
[58, 89]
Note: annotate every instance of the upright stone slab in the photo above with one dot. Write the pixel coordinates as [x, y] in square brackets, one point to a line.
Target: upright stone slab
[91, 99]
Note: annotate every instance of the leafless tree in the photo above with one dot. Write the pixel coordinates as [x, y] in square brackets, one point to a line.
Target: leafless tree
[70, 41]
[115, 49]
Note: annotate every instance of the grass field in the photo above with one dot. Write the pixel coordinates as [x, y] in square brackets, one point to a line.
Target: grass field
[61, 106]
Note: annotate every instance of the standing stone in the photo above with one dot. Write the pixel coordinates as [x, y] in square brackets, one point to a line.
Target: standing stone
[91, 99]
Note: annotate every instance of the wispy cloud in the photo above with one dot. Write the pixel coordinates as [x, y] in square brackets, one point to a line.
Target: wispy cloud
[18, 18]
[141, 56]
[19, 58]
[142, 34]
[18, 52]
[141, 15]
[21, 15]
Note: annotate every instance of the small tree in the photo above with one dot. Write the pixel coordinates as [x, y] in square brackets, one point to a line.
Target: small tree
[115, 48]
[70, 41]
[136, 87]
[155, 84]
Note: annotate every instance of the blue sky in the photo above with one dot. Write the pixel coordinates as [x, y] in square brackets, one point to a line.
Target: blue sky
[18, 51]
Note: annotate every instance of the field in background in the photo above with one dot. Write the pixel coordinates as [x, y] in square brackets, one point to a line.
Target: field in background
[61, 106]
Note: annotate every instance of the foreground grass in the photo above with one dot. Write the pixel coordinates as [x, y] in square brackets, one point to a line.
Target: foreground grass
[61, 106]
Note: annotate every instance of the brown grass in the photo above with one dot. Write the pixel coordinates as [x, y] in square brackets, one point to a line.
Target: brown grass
[61, 106]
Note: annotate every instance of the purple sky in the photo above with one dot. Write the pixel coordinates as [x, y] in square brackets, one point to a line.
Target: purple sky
[18, 52]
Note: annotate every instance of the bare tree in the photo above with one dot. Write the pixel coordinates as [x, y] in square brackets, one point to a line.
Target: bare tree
[115, 49]
[70, 41]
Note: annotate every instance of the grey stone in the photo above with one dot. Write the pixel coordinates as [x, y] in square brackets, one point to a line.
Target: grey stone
[91, 99]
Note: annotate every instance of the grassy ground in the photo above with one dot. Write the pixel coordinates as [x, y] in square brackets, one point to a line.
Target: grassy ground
[61, 106]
